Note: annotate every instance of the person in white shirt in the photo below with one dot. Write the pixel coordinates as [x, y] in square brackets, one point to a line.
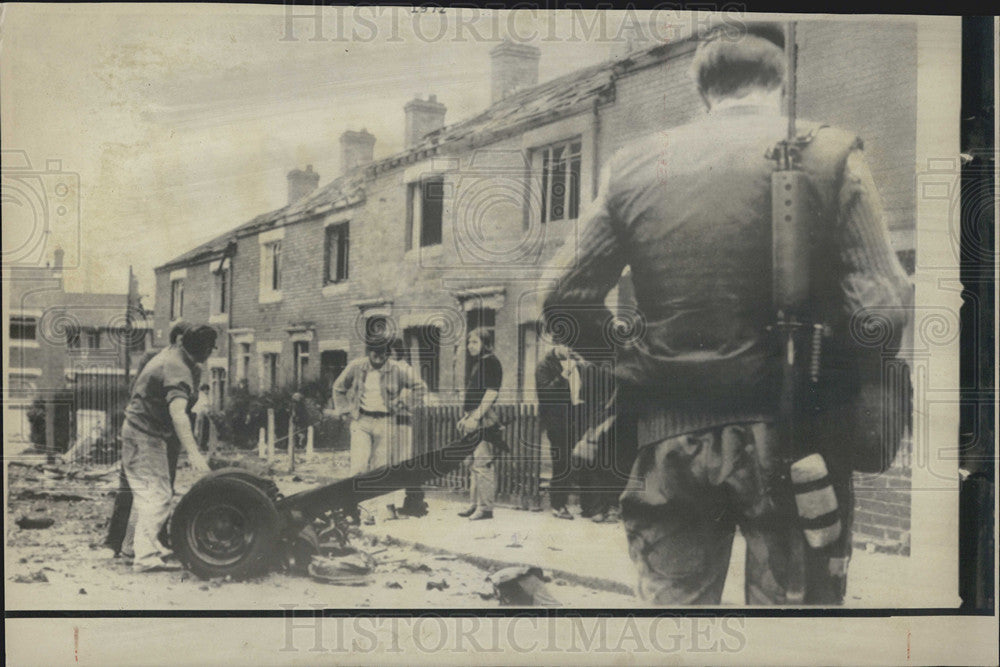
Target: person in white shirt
[370, 391]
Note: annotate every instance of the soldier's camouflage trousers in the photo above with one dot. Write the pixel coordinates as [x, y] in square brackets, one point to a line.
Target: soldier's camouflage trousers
[687, 494]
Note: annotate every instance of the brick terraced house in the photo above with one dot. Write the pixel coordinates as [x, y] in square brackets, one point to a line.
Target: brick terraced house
[456, 230]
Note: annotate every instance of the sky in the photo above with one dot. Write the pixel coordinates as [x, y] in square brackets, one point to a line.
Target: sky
[181, 122]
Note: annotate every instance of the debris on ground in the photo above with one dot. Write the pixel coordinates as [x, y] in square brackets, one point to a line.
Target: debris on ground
[419, 567]
[91, 476]
[522, 586]
[350, 570]
[437, 585]
[31, 494]
[73, 544]
[35, 522]
[33, 578]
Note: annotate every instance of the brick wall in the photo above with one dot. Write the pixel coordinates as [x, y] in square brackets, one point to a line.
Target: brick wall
[199, 299]
[882, 507]
[863, 76]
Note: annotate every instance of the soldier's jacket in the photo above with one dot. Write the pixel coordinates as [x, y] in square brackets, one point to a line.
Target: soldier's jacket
[688, 209]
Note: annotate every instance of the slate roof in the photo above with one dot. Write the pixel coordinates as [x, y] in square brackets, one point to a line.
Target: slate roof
[546, 102]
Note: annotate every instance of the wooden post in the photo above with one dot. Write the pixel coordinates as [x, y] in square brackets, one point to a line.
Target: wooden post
[210, 446]
[291, 441]
[310, 434]
[270, 435]
[50, 430]
[262, 443]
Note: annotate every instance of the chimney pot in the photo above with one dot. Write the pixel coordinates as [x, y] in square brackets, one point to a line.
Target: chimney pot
[422, 118]
[513, 66]
[301, 183]
[356, 149]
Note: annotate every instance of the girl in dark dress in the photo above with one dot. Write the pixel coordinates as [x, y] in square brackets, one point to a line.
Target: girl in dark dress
[481, 393]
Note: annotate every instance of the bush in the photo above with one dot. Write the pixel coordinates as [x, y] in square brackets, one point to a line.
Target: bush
[246, 413]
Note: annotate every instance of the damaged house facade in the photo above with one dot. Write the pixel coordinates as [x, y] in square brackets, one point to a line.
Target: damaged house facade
[457, 230]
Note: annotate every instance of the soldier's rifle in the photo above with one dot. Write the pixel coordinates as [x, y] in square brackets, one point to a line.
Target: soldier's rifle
[799, 336]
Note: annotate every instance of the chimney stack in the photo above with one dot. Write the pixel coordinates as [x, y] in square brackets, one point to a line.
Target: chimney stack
[301, 183]
[513, 67]
[356, 149]
[422, 118]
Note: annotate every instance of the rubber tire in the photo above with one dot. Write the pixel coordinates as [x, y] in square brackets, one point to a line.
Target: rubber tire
[227, 490]
[267, 486]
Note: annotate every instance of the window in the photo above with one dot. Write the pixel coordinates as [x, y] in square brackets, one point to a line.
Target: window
[176, 299]
[218, 386]
[425, 207]
[243, 363]
[331, 364]
[93, 339]
[271, 266]
[300, 351]
[270, 379]
[336, 253]
[221, 283]
[424, 344]
[481, 317]
[23, 328]
[527, 352]
[560, 165]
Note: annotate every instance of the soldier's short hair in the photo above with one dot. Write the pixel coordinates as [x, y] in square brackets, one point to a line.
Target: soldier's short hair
[729, 62]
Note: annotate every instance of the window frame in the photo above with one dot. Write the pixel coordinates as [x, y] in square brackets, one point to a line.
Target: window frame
[23, 323]
[572, 153]
[176, 299]
[217, 386]
[93, 339]
[300, 359]
[325, 370]
[341, 255]
[243, 361]
[270, 361]
[417, 213]
[271, 266]
[426, 356]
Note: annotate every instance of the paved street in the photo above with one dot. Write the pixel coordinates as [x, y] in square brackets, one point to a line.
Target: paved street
[62, 568]
[596, 554]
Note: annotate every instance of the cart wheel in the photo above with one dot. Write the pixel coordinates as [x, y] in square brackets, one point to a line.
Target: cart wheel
[225, 526]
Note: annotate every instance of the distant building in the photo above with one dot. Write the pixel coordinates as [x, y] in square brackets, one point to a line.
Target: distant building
[60, 340]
